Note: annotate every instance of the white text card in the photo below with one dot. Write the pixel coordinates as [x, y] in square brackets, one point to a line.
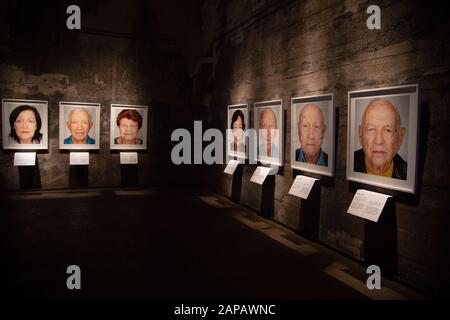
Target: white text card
[25, 159]
[368, 204]
[231, 167]
[128, 158]
[302, 186]
[79, 158]
[260, 175]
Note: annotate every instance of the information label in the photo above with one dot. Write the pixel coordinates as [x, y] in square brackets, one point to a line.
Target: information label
[302, 186]
[79, 158]
[24, 159]
[128, 158]
[231, 167]
[368, 204]
[260, 175]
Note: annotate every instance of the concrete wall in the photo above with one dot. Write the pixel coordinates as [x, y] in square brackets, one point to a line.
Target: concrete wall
[125, 53]
[265, 50]
[156, 53]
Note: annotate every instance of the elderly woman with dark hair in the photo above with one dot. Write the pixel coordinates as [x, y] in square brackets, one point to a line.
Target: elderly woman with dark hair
[26, 124]
[129, 122]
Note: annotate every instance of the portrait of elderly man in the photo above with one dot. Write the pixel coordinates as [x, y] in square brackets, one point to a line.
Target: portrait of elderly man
[381, 135]
[267, 133]
[79, 123]
[311, 131]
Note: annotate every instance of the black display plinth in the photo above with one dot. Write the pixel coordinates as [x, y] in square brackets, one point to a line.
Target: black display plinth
[268, 197]
[79, 176]
[129, 175]
[380, 241]
[309, 218]
[236, 184]
[30, 177]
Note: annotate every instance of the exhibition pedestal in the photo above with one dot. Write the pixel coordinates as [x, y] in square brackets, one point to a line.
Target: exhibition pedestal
[236, 184]
[129, 175]
[79, 176]
[30, 177]
[268, 197]
[380, 241]
[309, 218]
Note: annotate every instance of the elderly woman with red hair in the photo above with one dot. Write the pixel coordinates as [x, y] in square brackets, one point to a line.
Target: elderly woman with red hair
[129, 122]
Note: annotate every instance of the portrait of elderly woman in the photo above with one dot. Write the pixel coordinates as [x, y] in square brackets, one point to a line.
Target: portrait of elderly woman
[236, 125]
[129, 123]
[128, 127]
[24, 124]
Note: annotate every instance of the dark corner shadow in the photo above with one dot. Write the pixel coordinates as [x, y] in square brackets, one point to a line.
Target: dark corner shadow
[284, 140]
[423, 132]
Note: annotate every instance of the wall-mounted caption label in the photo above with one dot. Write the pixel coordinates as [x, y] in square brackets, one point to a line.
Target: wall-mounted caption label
[302, 186]
[260, 175]
[79, 158]
[368, 204]
[24, 159]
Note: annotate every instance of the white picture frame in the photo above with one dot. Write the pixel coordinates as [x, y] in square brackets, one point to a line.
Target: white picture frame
[405, 99]
[237, 113]
[318, 134]
[68, 110]
[140, 140]
[271, 109]
[38, 120]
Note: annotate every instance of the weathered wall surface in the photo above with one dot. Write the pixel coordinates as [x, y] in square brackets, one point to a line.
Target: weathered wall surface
[123, 54]
[147, 52]
[267, 50]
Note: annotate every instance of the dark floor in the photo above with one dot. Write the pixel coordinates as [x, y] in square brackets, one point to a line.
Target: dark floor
[155, 244]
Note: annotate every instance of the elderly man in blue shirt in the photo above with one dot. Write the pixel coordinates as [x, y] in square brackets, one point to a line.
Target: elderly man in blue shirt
[311, 131]
[79, 124]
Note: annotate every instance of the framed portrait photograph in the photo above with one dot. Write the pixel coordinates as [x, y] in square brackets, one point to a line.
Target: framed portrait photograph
[128, 127]
[25, 124]
[313, 134]
[237, 123]
[79, 125]
[268, 123]
[382, 137]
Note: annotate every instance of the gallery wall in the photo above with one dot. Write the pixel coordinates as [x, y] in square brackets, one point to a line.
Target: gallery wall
[124, 53]
[266, 50]
[241, 52]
